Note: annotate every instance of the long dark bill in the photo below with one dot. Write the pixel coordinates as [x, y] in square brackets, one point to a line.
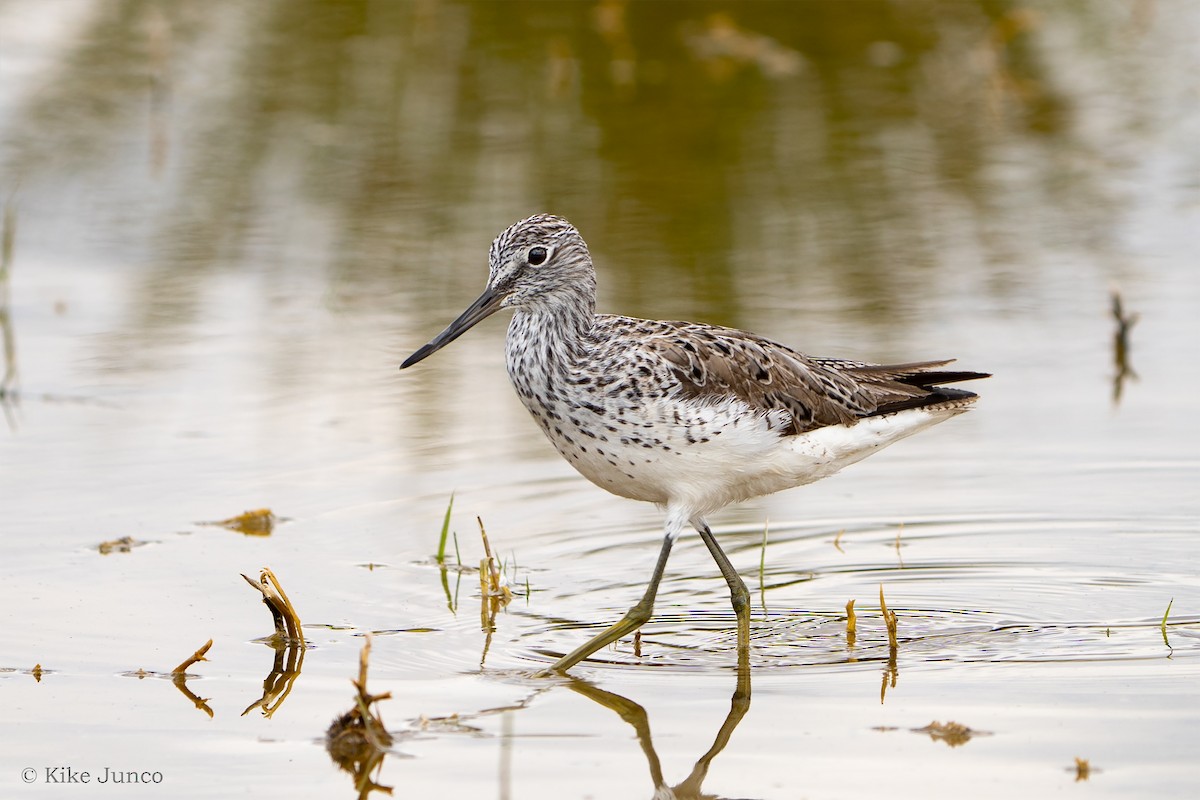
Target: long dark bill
[487, 304]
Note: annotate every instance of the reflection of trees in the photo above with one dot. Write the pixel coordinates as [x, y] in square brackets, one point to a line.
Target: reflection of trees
[299, 133]
[8, 345]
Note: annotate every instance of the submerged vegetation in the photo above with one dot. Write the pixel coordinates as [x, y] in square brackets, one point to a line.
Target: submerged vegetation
[357, 740]
[259, 522]
[179, 676]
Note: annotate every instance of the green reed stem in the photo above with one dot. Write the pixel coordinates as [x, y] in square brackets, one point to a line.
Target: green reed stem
[441, 553]
[1163, 626]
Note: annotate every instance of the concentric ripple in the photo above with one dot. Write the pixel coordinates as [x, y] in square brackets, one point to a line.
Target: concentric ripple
[1000, 590]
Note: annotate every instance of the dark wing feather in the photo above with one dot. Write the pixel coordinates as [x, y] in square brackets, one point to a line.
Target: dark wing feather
[712, 361]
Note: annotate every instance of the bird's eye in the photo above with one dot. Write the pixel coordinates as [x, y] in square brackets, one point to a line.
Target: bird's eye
[537, 255]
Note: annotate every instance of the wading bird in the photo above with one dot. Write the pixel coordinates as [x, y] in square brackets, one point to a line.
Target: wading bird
[688, 416]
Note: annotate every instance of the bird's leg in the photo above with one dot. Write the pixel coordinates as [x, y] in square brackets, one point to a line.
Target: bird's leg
[738, 594]
[634, 618]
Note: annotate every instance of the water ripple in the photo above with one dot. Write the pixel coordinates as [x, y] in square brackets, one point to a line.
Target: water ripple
[1003, 589]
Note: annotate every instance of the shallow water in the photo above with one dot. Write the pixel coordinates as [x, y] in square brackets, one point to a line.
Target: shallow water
[230, 222]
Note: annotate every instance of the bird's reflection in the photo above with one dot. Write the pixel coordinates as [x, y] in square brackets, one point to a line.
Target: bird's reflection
[635, 715]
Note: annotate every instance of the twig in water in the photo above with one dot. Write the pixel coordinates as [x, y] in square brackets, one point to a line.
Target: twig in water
[494, 593]
[851, 624]
[492, 584]
[358, 741]
[889, 620]
[287, 621]
[192, 659]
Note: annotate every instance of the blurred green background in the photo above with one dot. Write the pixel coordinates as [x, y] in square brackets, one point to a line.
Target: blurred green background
[717, 154]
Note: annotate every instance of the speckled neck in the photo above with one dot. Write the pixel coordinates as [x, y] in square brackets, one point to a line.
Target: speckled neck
[550, 335]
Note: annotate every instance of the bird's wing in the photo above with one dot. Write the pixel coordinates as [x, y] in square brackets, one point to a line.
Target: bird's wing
[713, 361]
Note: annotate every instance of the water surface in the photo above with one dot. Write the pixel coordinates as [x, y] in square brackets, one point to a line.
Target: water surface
[230, 222]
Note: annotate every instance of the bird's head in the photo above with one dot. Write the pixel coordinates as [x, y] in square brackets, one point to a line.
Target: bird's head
[540, 261]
